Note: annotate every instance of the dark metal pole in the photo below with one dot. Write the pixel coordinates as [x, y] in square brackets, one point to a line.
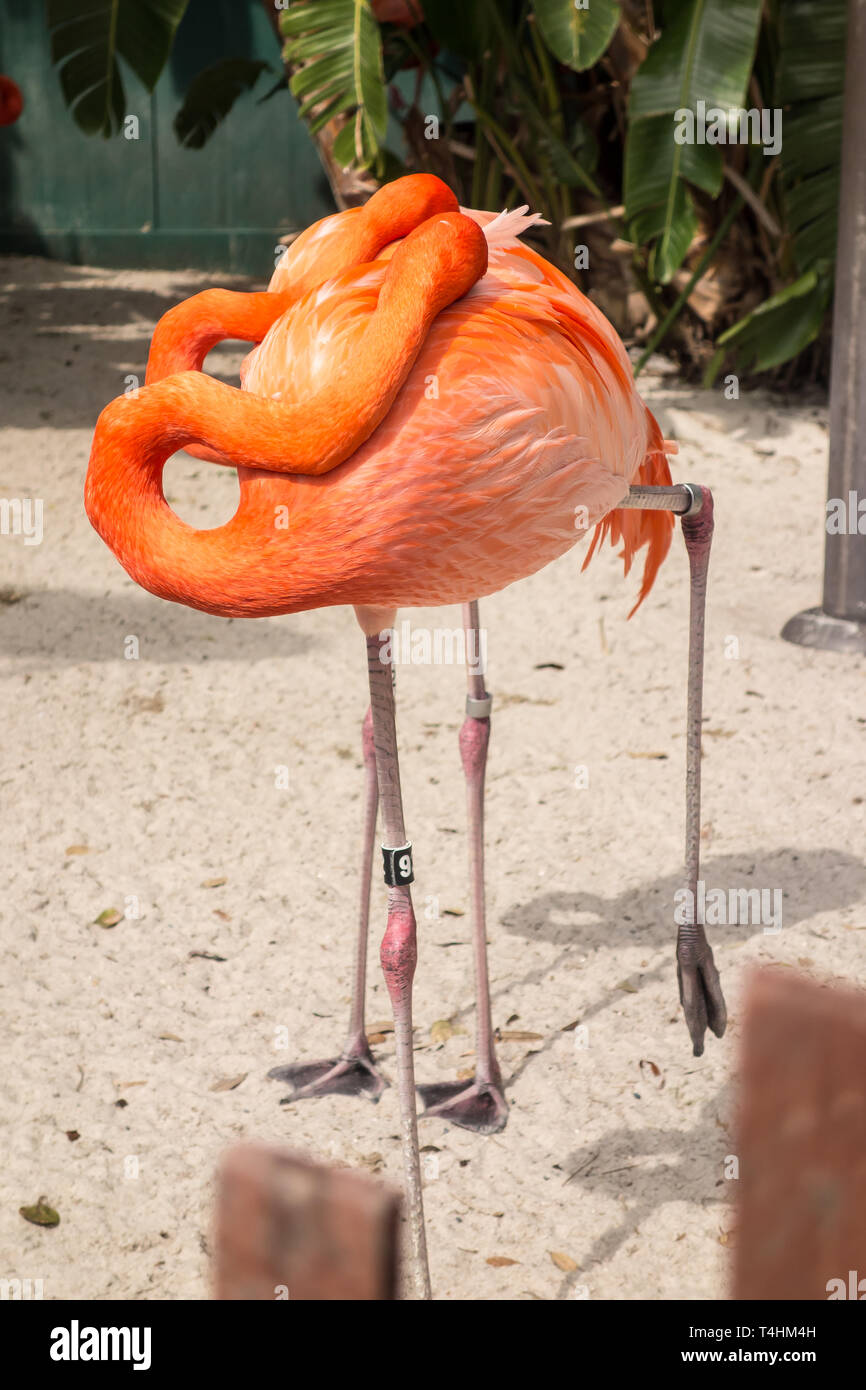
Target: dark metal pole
[840, 623]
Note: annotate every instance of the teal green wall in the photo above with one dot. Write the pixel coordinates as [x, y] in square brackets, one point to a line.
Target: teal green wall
[147, 202]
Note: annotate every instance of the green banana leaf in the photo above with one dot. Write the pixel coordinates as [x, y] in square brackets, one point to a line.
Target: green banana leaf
[87, 39]
[782, 326]
[339, 44]
[577, 34]
[705, 52]
[810, 76]
[211, 96]
[809, 82]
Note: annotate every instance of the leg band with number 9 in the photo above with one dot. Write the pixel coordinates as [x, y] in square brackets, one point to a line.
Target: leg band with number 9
[398, 866]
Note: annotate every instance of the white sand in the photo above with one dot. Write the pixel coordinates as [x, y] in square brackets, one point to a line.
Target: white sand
[163, 767]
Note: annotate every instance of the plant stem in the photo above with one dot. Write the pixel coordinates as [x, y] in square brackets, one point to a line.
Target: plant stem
[506, 150]
[677, 306]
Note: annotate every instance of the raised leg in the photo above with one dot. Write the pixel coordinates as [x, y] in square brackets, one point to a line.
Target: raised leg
[480, 1105]
[354, 1072]
[399, 944]
[700, 989]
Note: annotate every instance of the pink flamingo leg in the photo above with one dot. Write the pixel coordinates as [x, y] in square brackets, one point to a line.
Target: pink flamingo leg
[399, 944]
[354, 1072]
[700, 989]
[480, 1106]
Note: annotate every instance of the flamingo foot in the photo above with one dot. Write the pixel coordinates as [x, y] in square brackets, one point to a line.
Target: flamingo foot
[480, 1106]
[701, 996]
[353, 1074]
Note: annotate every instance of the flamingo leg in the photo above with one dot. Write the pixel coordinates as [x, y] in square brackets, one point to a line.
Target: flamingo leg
[481, 1105]
[700, 988]
[399, 952]
[354, 1072]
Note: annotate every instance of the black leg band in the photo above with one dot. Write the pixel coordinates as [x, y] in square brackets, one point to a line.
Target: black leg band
[398, 866]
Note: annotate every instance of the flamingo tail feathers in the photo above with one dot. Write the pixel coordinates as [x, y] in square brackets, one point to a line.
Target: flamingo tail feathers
[640, 529]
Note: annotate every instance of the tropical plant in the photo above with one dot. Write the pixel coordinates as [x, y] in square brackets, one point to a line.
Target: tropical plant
[805, 70]
[87, 42]
[92, 41]
[717, 246]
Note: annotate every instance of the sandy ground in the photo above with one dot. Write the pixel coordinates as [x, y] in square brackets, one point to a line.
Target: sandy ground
[144, 779]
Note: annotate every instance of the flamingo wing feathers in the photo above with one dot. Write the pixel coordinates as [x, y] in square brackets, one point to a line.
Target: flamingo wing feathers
[502, 422]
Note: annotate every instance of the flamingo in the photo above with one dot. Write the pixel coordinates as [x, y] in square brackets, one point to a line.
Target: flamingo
[431, 412]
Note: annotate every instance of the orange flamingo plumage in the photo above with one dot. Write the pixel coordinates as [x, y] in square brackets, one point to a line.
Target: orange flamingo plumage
[432, 411]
